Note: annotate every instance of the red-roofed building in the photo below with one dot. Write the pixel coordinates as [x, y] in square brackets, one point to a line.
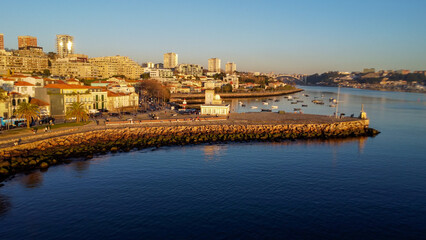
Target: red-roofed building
[119, 100]
[24, 88]
[43, 106]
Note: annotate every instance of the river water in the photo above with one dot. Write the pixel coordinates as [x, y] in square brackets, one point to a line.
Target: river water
[363, 188]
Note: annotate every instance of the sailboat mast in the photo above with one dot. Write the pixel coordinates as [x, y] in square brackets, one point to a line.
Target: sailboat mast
[337, 103]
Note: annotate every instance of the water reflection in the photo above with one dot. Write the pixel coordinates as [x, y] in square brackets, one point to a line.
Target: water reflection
[81, 166]
[332, 142]
[213, 152]
[32, 180]
[5, 204]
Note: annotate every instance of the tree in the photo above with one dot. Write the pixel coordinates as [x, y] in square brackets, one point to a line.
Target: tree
[227, 88]
[78, 111]
[145, 76]
[27, 111]
[46, 72]
[3, 95]
[155, 89]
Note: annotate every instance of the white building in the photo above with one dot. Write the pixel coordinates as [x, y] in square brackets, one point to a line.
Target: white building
[214, 65]
[24, 88]
[213, 104]
[233, 80]
[230, 68]
[170, 60]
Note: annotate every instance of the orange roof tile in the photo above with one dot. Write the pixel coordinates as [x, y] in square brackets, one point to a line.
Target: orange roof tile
[65, 86]
[116, 94]
[23, 83]
[39, 102]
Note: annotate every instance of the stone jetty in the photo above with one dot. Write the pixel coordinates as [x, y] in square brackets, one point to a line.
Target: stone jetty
[238, 128]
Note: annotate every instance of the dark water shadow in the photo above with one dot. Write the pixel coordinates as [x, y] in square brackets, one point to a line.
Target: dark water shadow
[5, 204]
[32, 179]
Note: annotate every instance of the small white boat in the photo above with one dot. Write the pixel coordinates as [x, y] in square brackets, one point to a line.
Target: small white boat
[253, 107]
[290, 97]
[274, 107]
[241, 103]
[265, 103]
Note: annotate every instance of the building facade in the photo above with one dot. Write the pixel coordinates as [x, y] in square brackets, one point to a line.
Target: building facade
[230, 68]
[1, 41]
[64, 45]
[26, 41]
[22, 63]
[74, 67]
[190, 69]
[214, 65]
[117, 65]
[170, 60]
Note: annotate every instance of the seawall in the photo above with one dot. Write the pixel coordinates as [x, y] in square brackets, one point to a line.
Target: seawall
[43, 153]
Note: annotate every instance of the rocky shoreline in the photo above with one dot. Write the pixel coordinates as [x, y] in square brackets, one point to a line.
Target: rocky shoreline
[44, 153]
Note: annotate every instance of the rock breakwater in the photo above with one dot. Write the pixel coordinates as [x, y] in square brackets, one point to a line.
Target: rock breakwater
[44, 153]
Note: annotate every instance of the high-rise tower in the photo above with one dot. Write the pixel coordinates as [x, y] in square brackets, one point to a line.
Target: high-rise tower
[230, 68]
[214, 65]
[1, 41]
[170, 60]
[64, 45]
[26, 41]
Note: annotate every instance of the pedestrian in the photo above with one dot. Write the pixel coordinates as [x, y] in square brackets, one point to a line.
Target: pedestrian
[45, 129]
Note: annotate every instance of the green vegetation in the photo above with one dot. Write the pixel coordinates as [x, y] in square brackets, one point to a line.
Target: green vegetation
[145, 76]
[326, 78]
[411, 77]
[69, 124]
[77, 111]
[227, 88]
[219, 76]
[262, 80]
[28, 111]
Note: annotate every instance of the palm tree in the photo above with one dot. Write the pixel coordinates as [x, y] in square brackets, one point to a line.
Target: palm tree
[78, 111]
[27, 111]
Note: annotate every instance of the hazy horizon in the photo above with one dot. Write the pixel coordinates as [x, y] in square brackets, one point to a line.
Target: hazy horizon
[264, 36]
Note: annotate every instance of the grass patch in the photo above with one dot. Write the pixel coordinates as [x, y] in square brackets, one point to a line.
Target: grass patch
[25, 130]
[62, 125]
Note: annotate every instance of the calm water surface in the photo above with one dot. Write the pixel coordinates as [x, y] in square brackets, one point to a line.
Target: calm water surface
[363, 188]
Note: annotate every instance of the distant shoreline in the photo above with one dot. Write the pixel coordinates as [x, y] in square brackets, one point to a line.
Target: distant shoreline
[181, 96]
[370, 88]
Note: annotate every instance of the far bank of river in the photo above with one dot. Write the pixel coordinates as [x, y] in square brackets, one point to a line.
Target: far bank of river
[198, 97]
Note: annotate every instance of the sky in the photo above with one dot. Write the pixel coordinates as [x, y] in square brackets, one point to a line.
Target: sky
[287, 36]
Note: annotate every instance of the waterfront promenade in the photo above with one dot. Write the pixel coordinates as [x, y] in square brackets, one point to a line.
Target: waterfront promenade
[44, 150]
[180, 120]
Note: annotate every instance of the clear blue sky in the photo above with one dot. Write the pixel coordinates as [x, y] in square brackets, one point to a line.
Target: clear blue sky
[287, 36]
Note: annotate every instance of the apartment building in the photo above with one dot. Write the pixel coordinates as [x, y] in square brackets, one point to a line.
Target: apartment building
[117, 65]
[230, 68]
[26, 42]
[64, 45]
[214, 65]
[170, 60]
[190, 69]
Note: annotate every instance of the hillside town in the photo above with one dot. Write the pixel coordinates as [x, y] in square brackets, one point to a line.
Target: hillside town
[58, 82]
[369, 78]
